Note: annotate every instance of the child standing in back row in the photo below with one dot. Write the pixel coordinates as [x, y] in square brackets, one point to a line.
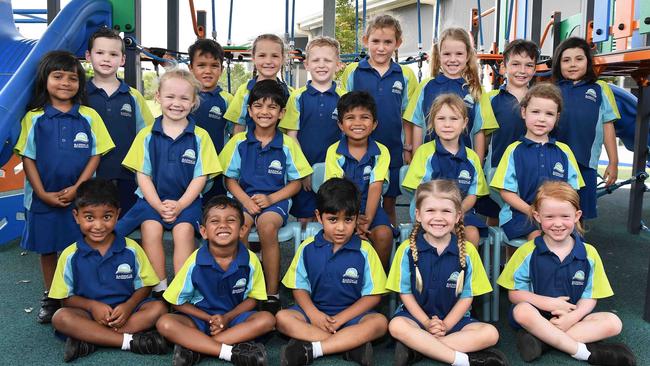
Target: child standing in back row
[60, 144]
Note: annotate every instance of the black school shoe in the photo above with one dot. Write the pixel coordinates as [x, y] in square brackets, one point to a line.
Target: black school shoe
[185, 357]
[49, 306]
[149, 343]
[614, 354]
[363, 355]
[404, 355]
[75, 348]
[272, 305]
[488, 357]
[248, 354]
[530, 347]
[296, 353]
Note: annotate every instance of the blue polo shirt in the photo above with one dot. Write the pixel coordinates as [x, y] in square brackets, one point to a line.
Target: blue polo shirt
[512, 126]
[172, 164]
[61, 143]
[392, 92]
[313, 114]
[209, 115]
[587, 107]
[111, 278]
[263, 169]
[527, 164]
[204, 284]
[335, 280]
[237, 111]
[373, 166]
[124, 113]
[439, 275]
[535, 268]
[479, 113]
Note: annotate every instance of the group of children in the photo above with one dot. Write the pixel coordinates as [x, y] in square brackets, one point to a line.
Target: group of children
[180, 164]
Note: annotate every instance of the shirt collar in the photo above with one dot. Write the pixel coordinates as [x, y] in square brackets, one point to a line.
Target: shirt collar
[275, 143]
[92, 88]
[569, 83]
[422, 245]
[578, 251]
[528, 142]
[353, 244]
[365, 64]
[343, 149]
[213, 92]
[313, 91]
[50, 111]
[442, 79]
[461, 154]
[189, 129]
[205, 258]
[118, 244]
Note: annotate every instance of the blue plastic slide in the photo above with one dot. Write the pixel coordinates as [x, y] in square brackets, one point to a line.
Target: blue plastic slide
[625, 127]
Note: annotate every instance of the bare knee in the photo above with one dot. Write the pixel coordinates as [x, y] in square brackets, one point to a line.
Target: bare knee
[264, 321]
[379, 324]
[612, 323]
[523, 313]
[165, 324]
[398, 328]
[63, 317]
[283, 318]
[491, 334]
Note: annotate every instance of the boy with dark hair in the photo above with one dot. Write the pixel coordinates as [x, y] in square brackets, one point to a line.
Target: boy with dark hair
[215, 293]
[262, 169]
[364, 161]
[104, 281]
[337, 279]
[123, 109]
[206, 63]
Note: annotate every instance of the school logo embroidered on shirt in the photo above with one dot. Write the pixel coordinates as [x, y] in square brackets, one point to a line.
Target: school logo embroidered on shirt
[451, 281]
[189, 157]
[350, 276]
[591, 95]
[275, 167]
[80, 141]
[126, 110]
[398, 87]
[464, 177]
[240, 286]
[558, 170]
[366, 172]
[215, 112]
[123, 272]
[578, 278]
[335, 114]
[469, 101]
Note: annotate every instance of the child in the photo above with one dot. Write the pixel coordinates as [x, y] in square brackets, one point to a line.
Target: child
[173, 159]
[206, 64]
[437, 274]
[392, 86]
[447, 157]
[337, 280]
[263, 168]
[268, 56]
[311, 115]
[104, 280]
[553, 283]
[215, 292]
[454, 69]
[587, 123]
[123, 109]
[60, 143]
[531, 160]
[362, 160]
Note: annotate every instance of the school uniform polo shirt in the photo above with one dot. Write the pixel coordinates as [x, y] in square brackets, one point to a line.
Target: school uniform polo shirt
[587, 107]
[172, 164]
[124, 113]
[534, 268]
[439, 275]
[432, 161]
[237, 111]
[479, 113]
[373, 166]
[204, 284]
[335, 280]
[210, 114]
[61, 143]
[263, 169]
[392, 92]
[313, 114]
[527, 164]
[111, 278]
[512, 126]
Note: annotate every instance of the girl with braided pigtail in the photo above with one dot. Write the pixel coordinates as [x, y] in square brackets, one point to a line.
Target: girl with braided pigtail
[437, 274]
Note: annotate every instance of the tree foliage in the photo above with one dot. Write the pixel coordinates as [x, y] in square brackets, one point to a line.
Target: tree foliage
[345, 16]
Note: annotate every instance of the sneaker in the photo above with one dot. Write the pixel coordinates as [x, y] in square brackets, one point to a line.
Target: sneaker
[488, 357]
[272, 305]
[49, 306]
[75, 348]
[614, 354]
[362, 355]
[149, 343]
[185, 357]
[530, 347]
[248, 354]
[404, 355]
[296, 353]
[158, 295]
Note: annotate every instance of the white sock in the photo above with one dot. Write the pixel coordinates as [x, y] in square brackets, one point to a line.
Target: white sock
[461, 359]
[161, 286]
[583, 353]
[317, 349]
[275, 296]
[126, 342]
[226, 352]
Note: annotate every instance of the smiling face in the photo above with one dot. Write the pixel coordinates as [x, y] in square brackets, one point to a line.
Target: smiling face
[453, 58]
[96, 223]
[176, 98]
[557, 218]
[268, 59]
[337, 228]
[265, 113]
[573, 64]
[357, 124]
[106, 56]
[62, 86]
[540, 116]
[206, 69]
[381, 44]
[449, 123]
[222, 226]
[520, 69]
[321, 63]
[438, 217]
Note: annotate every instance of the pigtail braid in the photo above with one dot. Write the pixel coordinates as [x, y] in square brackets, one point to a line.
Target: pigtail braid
[460, 235]
[414, 254]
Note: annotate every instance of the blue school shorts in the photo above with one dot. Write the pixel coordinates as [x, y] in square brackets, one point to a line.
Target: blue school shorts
[393, 184]
[588, 194]
[487, 207]
[281, 208]
[217, 189]
[49, 232]
[401, 311]
[519, 226]
[204, 326]
[142, 211]
[472, 219]
[353, 321]
[304, 204]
